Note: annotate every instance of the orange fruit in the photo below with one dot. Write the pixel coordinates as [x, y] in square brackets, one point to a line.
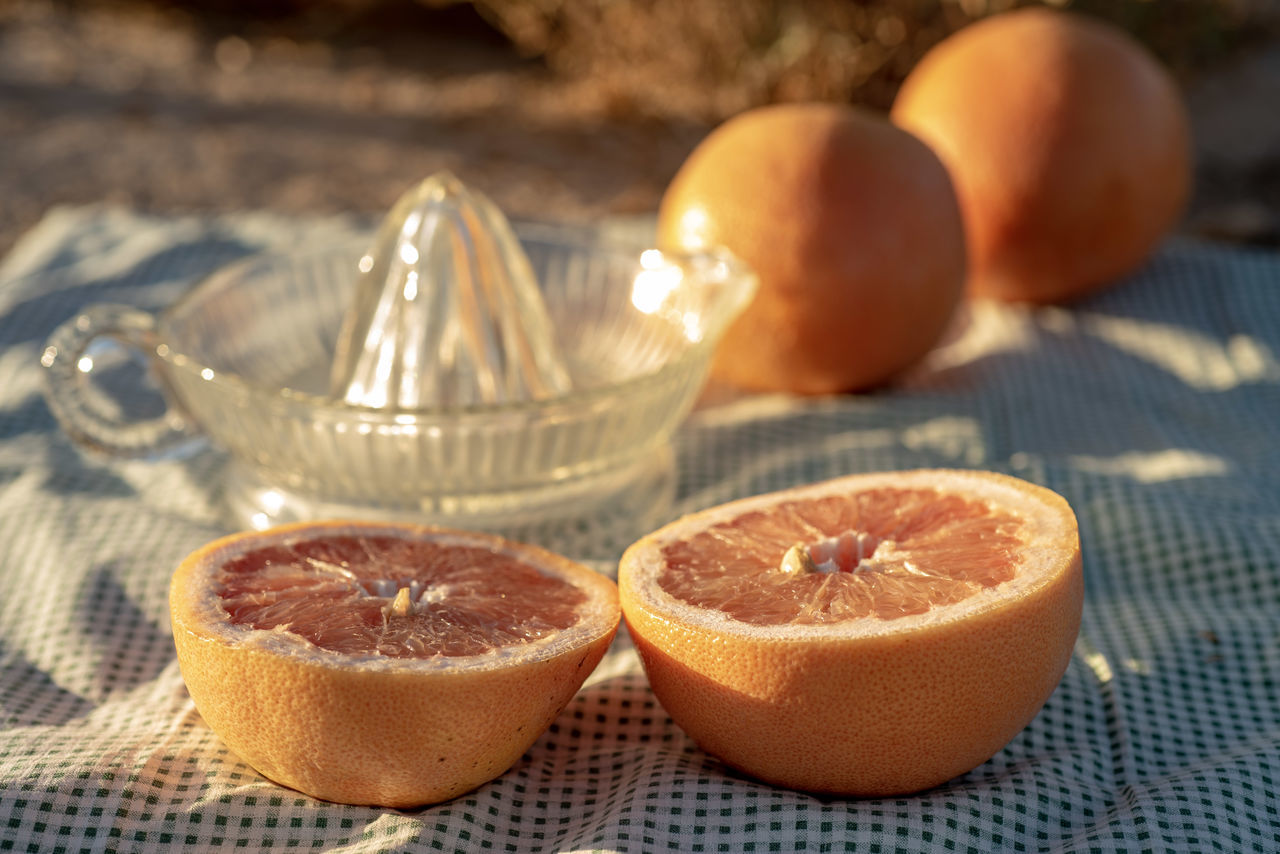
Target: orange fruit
[853, 229]
[872, 635]
[1069, 146]
[384, 664]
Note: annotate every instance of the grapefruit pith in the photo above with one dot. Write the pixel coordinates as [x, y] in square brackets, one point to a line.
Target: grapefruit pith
[384, 664]
[877, 634]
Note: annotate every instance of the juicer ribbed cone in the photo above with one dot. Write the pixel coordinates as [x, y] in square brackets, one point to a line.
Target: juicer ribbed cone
[447, 311]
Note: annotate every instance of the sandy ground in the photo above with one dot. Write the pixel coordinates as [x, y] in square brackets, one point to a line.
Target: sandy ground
[140, 105]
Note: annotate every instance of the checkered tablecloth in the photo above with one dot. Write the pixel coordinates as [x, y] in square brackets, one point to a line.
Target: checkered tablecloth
[1153, 408]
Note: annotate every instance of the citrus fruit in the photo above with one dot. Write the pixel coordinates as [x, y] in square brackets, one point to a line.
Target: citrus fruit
[853, 229]
[876, 634]
[1068, 143]
[384, 664]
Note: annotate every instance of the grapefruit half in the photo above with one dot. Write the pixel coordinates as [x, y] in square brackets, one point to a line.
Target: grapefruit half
[873, 635]
[384, 664]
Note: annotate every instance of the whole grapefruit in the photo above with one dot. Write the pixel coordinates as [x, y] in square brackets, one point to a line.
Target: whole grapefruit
[853, 229]
[1068, 144]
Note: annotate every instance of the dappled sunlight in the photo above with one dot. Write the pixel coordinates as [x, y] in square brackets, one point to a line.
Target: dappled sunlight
[1156, 466]
[1202, 362]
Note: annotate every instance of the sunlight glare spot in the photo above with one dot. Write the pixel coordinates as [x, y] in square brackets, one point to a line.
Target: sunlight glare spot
[653, 286]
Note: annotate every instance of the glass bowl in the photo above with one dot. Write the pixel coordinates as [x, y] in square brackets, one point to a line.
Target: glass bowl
[244, 358]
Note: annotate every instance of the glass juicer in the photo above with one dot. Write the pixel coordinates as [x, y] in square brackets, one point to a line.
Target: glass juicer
[457, 370]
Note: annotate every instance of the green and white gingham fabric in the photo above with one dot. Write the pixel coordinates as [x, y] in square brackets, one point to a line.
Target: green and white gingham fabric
[1153, 408]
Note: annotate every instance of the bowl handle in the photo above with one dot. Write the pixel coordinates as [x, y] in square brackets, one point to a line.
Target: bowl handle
[78, 405]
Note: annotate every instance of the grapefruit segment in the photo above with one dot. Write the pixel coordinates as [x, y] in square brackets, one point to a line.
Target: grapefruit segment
[384, 664]
[385, 596]
[873, 635]
[890, 552]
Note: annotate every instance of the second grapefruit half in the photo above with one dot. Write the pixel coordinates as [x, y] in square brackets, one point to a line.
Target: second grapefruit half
[877, 634]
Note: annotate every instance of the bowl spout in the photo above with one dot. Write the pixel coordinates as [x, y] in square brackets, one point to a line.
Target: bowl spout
[699, 293]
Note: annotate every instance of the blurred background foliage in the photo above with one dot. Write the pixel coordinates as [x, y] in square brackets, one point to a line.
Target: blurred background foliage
[708, 59]
[716, 57]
